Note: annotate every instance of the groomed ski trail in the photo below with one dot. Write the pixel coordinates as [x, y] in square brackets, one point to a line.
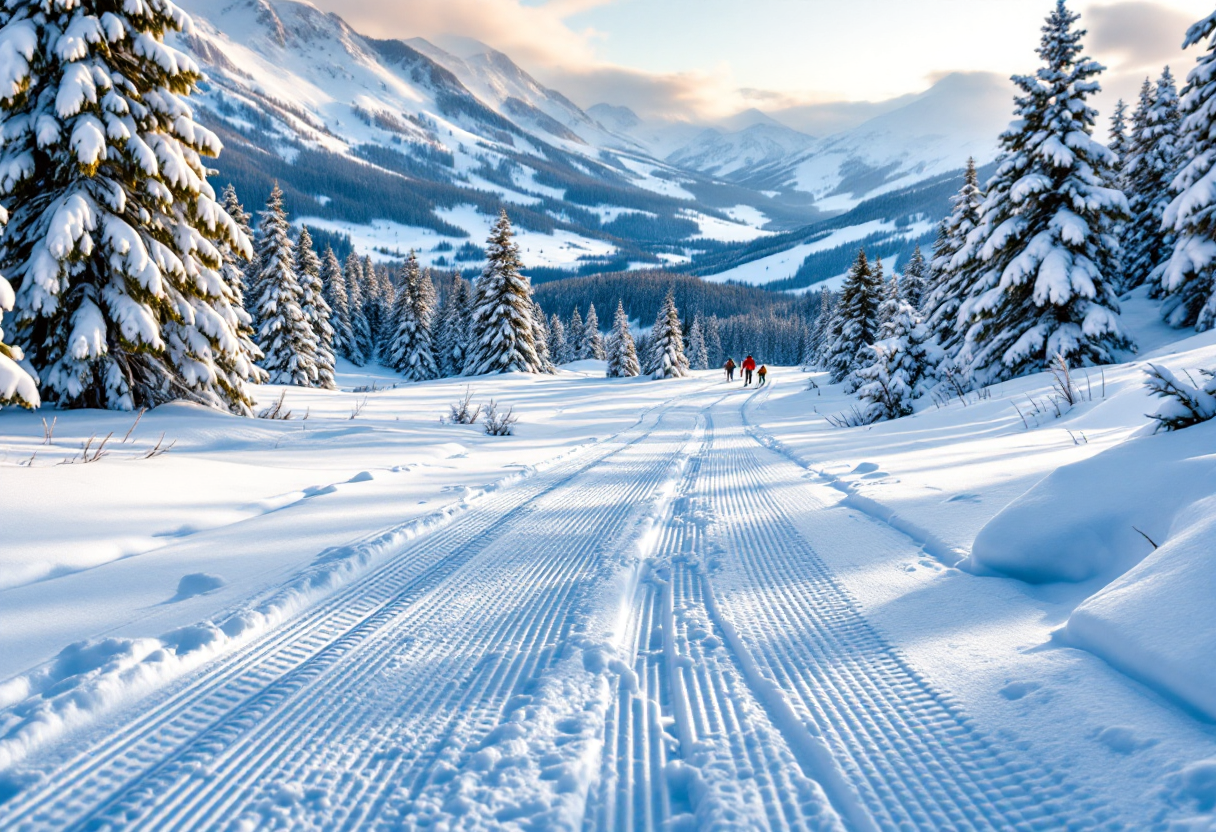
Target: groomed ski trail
[458, 683]
[767, 700]
[642, 637]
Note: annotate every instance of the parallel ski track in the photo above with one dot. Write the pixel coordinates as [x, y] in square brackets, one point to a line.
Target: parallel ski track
[916, 761]
[688, 681]
[355, 702]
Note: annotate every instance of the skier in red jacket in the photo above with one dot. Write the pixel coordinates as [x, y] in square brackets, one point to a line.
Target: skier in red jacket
[749, 367]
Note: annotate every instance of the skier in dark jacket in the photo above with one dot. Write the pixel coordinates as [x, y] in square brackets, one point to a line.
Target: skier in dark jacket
[749, 367]
[762, 372]
[729, 366]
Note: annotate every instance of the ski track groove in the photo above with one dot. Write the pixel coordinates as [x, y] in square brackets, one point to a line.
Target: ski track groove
[914, 757]
[191, 726]
[747, 775]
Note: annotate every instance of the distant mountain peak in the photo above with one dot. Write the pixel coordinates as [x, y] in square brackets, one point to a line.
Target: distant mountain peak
[614, 116]
[748, 118]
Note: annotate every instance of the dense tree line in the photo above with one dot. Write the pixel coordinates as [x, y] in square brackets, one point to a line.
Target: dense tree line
[642, 294]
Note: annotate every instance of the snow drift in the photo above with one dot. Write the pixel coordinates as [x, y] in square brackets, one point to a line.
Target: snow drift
[1092, 519]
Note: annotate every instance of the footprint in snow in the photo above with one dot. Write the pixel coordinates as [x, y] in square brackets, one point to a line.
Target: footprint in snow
[1018, 690]
[965, 498]
[1122, 739]
[865, 468]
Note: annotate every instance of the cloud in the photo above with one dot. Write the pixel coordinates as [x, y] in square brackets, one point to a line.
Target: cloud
[541, 40]
[532, 34]
[1136, 36]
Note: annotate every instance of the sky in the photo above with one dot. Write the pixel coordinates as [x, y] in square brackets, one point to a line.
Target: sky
[702, 60]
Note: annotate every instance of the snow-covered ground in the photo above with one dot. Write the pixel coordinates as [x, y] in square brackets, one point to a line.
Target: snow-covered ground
[659, 603]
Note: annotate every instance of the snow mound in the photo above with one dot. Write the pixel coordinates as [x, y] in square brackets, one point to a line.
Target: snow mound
[587, 366]
[197, 583]
[1149, 623]
[1096, 518]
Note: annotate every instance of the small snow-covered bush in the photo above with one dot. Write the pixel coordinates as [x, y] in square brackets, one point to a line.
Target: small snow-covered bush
[1185, 404]
[462, 413]
[499, 424]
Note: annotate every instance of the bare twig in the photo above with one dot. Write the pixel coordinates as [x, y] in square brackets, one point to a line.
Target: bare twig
[1063, 380]
[134, 425]
[48, 431]
[358, 408]
[1019, 410]
[1146, 537]
[88, 453]
[159, 450]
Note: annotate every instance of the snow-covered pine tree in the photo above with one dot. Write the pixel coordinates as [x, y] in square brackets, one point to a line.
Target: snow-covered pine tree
[16, 385]
[398, 351]
[898, 364]
[428, 300]
[668, 347]
[643, 345]
[575, 335]
[540, 337]
[950, 273]
[815, 352]
[334, 282]
[622, 353]
[1133, 144]
[285, 335]
[1188, 278]
[439, 329]
[410, 351]
[698, 353]
[1155, 147]
[316, 309]
[453, 339]
[233, 271]
[1118, 142]
[713, 342]
[1047, 249]
[385, 292]
[559, 347]
[915, 278]
[593, 342]
[352, 270]
[374, 310]
[113, 242]
[501, 334]
[856, 323]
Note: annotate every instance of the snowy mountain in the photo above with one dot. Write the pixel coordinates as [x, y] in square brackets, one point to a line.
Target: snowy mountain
[961, 115]
[908, 140]
[513, 93]
[724, 154]
[408, 145]
[416, 144]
